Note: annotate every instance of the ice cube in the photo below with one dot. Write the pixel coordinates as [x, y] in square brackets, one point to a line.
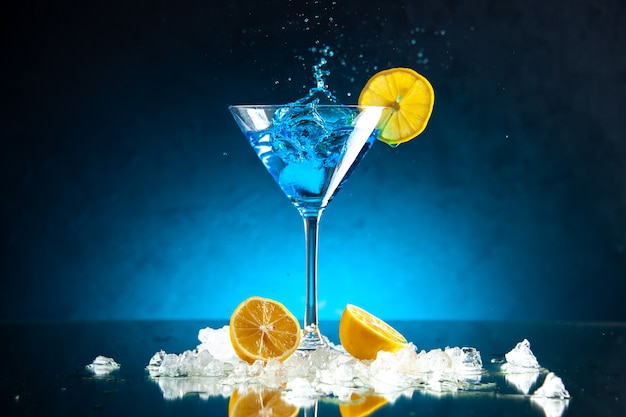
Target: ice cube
[155, 363]
[310, 133]
[298, 177]
[393, 371]
[103, 365]
[296, 132]
[521, 356]
[339, 370]
[217, 342]
[170, 365]
[466, 359]
[435, 360]
[297, 366]
[201, 363]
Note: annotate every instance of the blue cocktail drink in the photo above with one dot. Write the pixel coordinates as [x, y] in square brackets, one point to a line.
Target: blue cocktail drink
[310, 149]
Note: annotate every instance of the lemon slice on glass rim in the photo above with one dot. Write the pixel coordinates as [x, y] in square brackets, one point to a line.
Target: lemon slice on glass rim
[410, 99]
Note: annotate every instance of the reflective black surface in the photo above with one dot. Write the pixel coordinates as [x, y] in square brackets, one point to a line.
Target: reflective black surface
[43, 369]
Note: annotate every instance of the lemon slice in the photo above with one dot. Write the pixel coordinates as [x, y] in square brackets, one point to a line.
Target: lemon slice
[263, 329]
[363, 335]
[409, 97]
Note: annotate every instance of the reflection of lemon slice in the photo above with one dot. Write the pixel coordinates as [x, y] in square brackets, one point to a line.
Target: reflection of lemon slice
[363, 335]
[410, 98]
[262, 329]
[361, 407]
[261, 403]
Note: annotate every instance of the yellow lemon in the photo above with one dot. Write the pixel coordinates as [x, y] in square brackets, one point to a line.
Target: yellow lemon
[262, 329]
[409, 97]
[363, 335]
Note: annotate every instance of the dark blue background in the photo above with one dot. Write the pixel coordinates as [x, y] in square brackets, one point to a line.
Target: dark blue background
[128, 191]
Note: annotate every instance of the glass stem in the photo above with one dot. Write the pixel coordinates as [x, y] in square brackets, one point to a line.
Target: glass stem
[311, 337]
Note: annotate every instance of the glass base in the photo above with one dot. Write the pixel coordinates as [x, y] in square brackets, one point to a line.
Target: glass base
[312, 339]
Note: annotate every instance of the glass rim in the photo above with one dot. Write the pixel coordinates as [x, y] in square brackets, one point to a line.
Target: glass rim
[328, 106]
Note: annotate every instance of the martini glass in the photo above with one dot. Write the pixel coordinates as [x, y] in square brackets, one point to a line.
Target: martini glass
[310, 150]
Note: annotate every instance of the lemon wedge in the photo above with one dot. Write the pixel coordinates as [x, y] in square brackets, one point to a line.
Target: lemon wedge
[363, 335]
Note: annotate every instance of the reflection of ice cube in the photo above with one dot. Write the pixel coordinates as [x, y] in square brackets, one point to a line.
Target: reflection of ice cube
[522, 356]
[272, 374]
[300, 392]
[551, 407]
[102, 365]
[176, 388]
[523, 381]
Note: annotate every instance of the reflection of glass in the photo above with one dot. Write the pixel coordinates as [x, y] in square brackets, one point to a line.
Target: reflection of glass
[261, 402]
[310, 150]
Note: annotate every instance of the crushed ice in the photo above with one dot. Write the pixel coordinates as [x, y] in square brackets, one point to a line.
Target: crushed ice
[522, 369]
[328, 371]
[213, 368]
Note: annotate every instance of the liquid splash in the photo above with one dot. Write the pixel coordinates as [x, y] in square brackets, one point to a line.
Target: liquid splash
[320, 94]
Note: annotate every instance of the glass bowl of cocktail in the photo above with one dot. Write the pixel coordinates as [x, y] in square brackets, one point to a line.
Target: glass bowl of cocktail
[311, 146]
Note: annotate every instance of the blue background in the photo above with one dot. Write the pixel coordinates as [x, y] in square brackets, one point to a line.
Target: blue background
[128, 191]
